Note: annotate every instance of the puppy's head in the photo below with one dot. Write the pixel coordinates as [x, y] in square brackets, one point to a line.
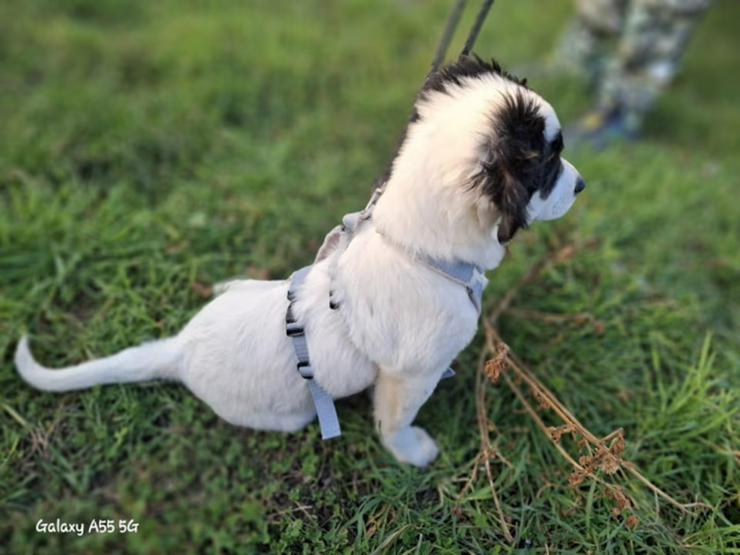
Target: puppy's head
[484, 127]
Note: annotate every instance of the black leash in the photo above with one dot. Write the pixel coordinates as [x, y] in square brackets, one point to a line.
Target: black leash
[449, 30]
[477, 25]
[444, 41]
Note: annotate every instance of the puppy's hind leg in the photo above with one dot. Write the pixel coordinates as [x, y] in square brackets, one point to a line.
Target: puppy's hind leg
[397, 399]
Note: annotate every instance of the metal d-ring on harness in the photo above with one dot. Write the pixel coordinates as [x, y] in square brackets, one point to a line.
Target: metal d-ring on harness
[469, 276]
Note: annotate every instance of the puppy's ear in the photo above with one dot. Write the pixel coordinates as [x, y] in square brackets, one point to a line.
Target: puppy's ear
[489, 216]
[509, 169]
[512, 205]
[502, 187]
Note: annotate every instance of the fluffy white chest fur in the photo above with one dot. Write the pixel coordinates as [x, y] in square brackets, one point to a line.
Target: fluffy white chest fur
[481, 160]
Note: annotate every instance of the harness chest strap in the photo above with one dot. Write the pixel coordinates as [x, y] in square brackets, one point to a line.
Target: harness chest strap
[325, 409]
[467, 275]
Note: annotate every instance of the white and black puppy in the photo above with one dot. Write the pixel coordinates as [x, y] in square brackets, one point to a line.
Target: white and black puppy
[480, 160]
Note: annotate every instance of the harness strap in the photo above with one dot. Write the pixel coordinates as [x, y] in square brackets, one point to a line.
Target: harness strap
[470, 276]
[323, 402]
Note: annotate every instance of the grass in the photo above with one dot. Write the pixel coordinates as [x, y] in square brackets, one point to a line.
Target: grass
[150, 148]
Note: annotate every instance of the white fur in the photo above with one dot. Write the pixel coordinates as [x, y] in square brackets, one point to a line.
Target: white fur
[399, 325]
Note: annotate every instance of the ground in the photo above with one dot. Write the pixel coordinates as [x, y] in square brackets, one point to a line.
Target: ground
[149, 149]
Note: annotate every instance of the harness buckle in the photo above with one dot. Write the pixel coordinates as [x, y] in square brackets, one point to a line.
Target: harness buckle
[305, 369]
[294, 329]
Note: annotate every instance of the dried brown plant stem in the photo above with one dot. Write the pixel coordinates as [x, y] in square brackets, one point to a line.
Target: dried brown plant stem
[487, 452]
[541, 392]
[490, 369]
[530, 410]
[603, 453]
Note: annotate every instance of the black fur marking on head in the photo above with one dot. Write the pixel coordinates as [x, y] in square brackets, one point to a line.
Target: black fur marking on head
[517, 161]
[439, 80]
[465, 66]
[552, 166]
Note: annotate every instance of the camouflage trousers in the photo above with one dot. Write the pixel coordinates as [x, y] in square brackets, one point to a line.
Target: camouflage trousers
[631, 49]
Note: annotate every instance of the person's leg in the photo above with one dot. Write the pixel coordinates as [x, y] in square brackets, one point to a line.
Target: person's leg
[585, 45]
[648, 56]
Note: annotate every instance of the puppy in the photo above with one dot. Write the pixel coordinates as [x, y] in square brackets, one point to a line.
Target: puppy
[480, 161]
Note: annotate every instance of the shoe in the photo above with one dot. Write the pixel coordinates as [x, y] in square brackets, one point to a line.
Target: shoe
[599, 129]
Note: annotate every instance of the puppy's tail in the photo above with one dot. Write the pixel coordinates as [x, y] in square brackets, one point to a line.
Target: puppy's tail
[157, 359]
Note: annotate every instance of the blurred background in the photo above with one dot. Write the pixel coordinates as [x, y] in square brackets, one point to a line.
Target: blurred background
[150, 149]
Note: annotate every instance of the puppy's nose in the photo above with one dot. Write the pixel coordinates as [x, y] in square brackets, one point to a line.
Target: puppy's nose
[580, 185]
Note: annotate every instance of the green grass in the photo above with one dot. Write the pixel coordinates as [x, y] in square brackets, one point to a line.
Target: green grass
[147, 148]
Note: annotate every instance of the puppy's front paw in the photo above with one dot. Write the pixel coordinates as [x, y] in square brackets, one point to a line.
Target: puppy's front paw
[413, 445]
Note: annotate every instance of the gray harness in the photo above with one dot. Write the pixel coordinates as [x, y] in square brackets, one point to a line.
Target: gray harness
[470, 276]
